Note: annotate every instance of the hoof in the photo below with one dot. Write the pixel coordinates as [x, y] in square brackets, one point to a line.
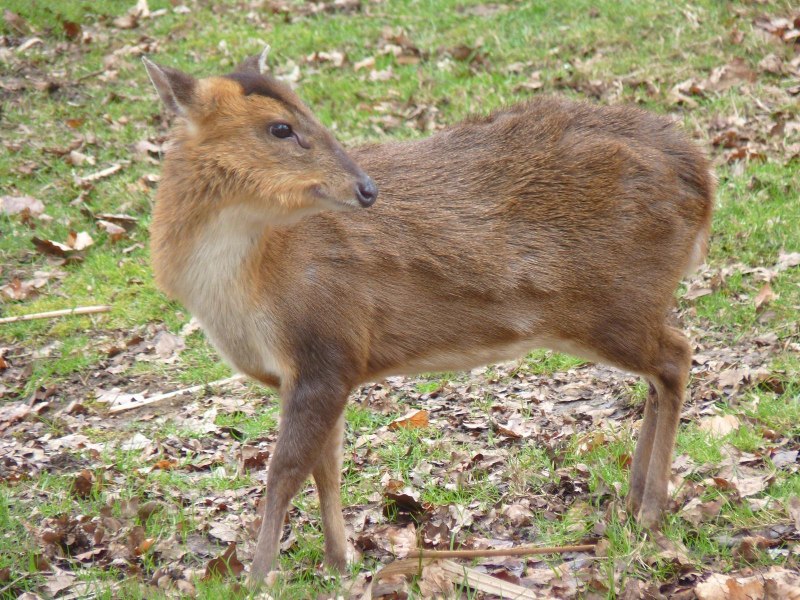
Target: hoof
[633, 504]
[257, 581]
[338, 564]
[650, 519]
[339, 561]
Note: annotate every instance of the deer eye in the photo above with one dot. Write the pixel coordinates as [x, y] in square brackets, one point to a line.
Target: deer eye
[281, 130]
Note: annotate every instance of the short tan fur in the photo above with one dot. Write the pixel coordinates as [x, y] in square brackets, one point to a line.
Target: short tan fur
[547, 224]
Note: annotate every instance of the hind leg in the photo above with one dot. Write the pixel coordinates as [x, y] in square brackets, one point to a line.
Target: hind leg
[669, 374]
[663, 357]
[644, 448]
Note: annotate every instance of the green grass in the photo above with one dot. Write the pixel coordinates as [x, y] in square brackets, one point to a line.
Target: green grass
[628, 47]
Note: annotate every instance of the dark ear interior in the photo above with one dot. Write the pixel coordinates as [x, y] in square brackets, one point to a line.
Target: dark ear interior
[175, 88]
[255, 64]
[249, 65]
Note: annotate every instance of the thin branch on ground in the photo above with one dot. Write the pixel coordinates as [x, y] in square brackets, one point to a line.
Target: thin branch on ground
[518, 551]
[66, 312]
[166, 396]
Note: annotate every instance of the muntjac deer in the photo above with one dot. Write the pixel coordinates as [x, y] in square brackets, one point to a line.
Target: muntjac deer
[550, 224]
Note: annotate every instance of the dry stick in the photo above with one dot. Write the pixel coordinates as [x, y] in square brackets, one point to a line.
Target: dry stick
[157, 398]
[90, 75]
[82, 310]
[518, 551]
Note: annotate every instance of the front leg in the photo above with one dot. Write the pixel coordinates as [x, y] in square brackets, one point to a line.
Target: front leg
[311, 411]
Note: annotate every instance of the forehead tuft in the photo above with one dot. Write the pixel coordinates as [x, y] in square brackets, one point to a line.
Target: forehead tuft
[268, 87]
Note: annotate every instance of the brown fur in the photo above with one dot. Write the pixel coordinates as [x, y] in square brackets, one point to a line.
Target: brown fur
[549, 223]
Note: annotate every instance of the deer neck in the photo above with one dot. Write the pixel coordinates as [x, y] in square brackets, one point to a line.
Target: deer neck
[214, 268]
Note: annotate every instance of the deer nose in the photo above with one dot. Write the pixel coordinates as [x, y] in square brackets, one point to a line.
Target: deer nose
[366, 192]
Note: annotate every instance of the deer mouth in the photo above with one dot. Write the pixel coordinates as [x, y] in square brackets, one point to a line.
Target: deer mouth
[362, 195]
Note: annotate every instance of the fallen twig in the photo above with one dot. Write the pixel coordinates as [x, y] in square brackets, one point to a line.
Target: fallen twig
[81, 310]
[98, 175]
[518, 551]
[159, 397]
[90, 75]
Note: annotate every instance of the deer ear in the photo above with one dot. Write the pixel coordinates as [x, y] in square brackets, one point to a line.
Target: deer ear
[255, 64]
[176, 89]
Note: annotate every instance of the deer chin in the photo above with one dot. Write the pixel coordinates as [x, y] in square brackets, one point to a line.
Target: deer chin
[346, 205]
[289, 216]
[327, 200]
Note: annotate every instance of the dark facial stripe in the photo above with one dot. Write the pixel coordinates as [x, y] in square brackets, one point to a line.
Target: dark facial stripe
[260, 85]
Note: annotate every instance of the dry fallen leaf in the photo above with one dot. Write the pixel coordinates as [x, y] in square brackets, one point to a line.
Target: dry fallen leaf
[367, 63]
[168, 345]
[82, 484]
[114, 231]
[58, 582]
[693, 293]
[137, 442]
[719, 426]
[764, 297]
[144, 546]
[394, 585]
[697, 512]
[670, 551]
[744, 480]
[748, 548]
[336, 58]
[75, 242]
[77, 158]
[224, 566]
[13, 205]
[777, 583]
[518, 514]
[724, 587]
[787, 260]
[397, 540]
[224, 532]
[133, 16]
[71, 29]
[435, 583]
[384, 75]
[21, 290]
[147, 150]
[51, 247]
[727, 76]
[79, 240]
[681, 93]
[126, 221]
[772, 63]
[732, 378]
[414, 419]
[28, 44]
[164, 464]
[254, 457]
[793, 508]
